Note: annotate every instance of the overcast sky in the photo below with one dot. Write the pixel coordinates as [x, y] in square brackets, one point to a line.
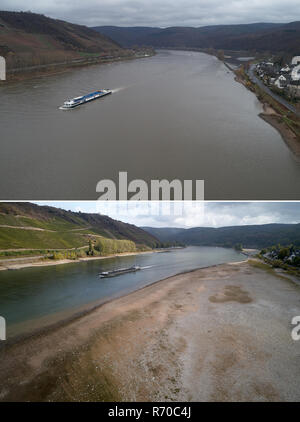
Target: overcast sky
[187, 214]
[161, 13]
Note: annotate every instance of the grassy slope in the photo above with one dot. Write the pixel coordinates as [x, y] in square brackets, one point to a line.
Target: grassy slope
[19, 238]
[54, 224]
[61, 229]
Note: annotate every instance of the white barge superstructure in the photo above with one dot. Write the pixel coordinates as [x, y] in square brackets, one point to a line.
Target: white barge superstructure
[77, 101]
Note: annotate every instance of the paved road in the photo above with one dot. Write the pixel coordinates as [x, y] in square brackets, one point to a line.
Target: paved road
[281, 100]
[84, 60]
[25, 258]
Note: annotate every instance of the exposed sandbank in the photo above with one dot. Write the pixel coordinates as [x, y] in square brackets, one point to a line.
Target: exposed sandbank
[219, 334]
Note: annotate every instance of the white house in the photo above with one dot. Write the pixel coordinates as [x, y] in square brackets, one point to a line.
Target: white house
[280, 82]
[285, 69]
[2, 69]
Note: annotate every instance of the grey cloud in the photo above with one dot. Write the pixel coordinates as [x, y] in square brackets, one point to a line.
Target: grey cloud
[161, 12]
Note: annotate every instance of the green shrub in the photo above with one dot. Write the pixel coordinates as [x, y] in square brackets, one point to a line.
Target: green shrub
[111, 246]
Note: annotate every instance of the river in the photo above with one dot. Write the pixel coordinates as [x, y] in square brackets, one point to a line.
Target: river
[31, 298]
[176, 115]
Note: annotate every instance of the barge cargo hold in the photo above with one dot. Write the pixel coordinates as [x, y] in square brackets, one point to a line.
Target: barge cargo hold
[77, 101]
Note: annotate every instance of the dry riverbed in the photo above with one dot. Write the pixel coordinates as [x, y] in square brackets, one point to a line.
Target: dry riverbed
[217, 334]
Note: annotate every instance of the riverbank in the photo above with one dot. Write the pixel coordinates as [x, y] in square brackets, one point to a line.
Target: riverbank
[59, 68]
[19, 263]
[273, 113]
[286, 133]
[218, 334]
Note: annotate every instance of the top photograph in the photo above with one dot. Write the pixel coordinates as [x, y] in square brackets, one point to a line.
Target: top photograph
[160, 100]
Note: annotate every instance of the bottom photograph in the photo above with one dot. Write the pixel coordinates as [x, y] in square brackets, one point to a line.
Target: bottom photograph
[149, 301]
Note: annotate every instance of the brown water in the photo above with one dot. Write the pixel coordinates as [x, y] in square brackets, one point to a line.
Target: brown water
[175, 115]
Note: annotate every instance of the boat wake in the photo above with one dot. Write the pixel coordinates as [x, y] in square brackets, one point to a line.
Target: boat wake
[121, 88]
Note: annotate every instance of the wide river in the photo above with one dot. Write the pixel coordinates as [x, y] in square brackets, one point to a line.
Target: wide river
[177, 115]
[34, 297]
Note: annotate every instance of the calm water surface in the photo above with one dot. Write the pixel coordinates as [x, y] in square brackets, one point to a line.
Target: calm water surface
[34, 297]
[175, 115]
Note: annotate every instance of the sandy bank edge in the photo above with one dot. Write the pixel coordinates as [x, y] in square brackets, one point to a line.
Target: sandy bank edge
[286, 134]
[49, 263]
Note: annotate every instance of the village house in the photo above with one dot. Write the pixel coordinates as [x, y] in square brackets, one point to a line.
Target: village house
[281, 82]
[285, 77]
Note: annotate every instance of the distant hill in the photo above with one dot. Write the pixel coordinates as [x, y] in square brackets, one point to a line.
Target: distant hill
[127, 36]
[260, 37]
[27, 225]
[254, 236]
[28, 39]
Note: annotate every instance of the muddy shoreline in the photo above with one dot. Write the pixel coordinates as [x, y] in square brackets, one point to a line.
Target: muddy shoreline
[214, 334]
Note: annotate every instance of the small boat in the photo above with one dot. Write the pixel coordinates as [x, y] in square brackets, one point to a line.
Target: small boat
[120, 271]
[77, 101]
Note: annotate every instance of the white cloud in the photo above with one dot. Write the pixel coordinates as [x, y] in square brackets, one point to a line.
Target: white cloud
[189, 214]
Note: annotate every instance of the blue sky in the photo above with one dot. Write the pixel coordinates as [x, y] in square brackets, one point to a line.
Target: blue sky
[161, 13]
[188, 214]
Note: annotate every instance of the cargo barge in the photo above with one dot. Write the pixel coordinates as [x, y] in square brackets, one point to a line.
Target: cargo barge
[120, 271]
[77, 101]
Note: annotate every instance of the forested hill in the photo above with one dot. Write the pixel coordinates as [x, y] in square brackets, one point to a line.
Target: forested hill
[29, 39]
[254, 236]
[27, 225]
[259, 37]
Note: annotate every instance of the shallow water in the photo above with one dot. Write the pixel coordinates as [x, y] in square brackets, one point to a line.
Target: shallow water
[33, 297]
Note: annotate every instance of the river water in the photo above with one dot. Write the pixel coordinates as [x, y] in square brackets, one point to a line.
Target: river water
[175, 115]
[34, 297]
